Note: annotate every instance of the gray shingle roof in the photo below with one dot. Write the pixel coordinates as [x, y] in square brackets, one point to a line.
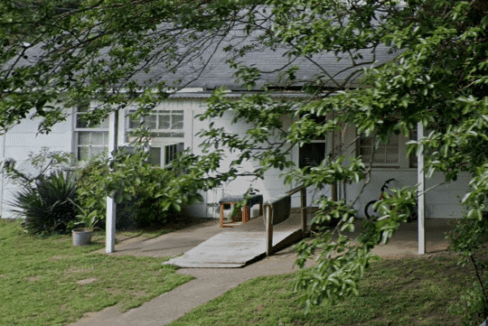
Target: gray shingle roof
[209, 70]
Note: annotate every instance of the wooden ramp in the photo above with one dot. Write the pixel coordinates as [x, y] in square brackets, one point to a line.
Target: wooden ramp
[240, 245]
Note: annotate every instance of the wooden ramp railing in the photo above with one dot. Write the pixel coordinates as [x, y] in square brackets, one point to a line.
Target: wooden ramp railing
[276, 206]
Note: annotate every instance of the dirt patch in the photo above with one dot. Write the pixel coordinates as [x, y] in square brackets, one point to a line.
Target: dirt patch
[74, 270]
[58, 257]
[138, 293]
[33, 278]
[114, 291]
[86, 281]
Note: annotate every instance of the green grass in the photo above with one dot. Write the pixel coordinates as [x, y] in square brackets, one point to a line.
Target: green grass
[400, 292]
[47, 281]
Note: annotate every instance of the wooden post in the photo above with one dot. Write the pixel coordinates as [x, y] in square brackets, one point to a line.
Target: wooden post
[333, 191]
[269, 229]
[303, 205]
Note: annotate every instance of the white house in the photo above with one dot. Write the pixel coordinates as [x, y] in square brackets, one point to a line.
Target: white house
[174, 121]
[174, 127]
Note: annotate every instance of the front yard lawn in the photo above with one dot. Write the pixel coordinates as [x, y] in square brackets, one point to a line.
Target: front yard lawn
[415, 291]
[47, 281]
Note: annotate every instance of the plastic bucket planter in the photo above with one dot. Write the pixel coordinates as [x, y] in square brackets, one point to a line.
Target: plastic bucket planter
[81, 236]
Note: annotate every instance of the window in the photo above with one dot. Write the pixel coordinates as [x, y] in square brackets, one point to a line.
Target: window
[160, 154]
[90, 140]
[384, 154]
[413, 159]
[313, 153]
[162, 123]
[167, 134]
[163, 154]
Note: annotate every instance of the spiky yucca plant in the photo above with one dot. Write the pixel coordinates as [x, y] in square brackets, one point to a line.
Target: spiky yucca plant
[48, 204]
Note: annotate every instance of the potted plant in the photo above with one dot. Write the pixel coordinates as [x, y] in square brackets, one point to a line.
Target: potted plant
[83, 231]
[251, 191]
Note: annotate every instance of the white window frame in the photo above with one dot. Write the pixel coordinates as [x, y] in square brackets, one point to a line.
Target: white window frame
[99, 129]
[402, 160]
[169, 152]
[163, 139]
[322, 141]
[301, 149]
[164, 133]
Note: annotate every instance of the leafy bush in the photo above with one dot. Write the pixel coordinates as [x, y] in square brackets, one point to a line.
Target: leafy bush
[146, 195]
[90, 191]
[48, 203]
[470, 238]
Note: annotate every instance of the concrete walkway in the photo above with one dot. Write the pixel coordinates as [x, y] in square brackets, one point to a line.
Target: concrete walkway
[210, 283]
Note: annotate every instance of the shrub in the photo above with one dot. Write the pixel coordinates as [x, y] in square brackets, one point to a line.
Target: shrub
[90, 191]
[48, 204]
[147, 196]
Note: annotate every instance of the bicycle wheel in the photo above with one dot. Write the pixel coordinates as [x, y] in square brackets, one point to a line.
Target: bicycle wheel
[370, 212]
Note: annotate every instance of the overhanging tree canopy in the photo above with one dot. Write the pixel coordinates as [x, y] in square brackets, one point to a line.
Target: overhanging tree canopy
[435, 73]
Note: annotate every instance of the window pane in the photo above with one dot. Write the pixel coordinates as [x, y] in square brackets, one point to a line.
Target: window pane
[103, 124]
[383, 154]
[133, 122]
[365, 152]
[96, 151]
[177, 120]
[393, 140]
[365, 141]
[150, 121]
[164, 120]
[155, 156]
[84, 137]
[380, 156]
[83, 107]
[83, 153]
[97, 138]
[392, 155]
[80, 123]
[311, 154]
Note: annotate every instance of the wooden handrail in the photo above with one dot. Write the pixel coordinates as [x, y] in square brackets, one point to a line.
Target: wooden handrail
[295, 190]
[268, 215]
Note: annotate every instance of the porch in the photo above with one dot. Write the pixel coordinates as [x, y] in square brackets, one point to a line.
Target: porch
[209, 246]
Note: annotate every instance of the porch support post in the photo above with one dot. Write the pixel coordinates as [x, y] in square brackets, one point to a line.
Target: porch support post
[421, 194]
[333, 191]
[303, 199]
[269, 229]
[111, 207]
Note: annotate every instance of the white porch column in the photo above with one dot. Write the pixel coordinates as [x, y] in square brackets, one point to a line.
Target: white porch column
[421, 194]
[111, 207]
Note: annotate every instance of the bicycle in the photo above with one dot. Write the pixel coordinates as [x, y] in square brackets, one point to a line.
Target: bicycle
[371, 212]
